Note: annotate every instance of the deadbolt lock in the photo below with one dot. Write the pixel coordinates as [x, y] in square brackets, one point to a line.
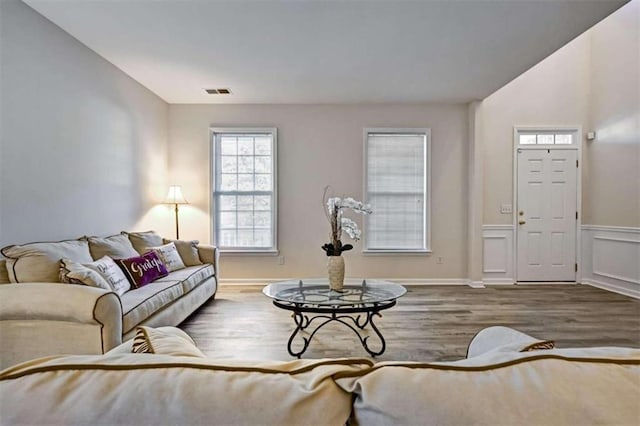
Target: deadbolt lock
[521, 213]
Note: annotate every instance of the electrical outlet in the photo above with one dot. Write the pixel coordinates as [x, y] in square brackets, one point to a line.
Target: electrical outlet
[440, 260]
[280, 260]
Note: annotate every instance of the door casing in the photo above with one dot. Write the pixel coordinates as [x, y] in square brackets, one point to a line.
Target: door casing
[577, 130]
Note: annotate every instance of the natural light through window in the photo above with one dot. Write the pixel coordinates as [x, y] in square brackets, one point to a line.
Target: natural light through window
[244, 197]
[546, 139]
[397, 187]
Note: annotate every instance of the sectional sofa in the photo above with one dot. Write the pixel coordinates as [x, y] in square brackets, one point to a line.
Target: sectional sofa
[41, 316]
[507, 379]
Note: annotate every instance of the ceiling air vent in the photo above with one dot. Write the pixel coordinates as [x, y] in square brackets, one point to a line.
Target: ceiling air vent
[218, 91]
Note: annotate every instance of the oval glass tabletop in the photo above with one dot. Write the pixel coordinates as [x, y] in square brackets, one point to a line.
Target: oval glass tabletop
[317, 292]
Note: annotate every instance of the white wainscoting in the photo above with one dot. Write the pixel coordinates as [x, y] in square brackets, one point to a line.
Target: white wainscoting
[497, 254]
[611, 258]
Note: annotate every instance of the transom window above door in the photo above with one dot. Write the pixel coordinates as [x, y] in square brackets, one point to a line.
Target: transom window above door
[546, 138]
[244, 189]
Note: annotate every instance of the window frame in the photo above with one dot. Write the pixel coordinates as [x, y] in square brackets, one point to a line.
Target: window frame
[426, 238]
[214, 212]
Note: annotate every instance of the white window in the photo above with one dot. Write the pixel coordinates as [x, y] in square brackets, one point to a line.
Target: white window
[397, 181]
[545, 138]
[244, 189]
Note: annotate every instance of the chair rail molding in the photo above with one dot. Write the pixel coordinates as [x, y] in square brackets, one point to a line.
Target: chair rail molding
[497, 254]
[611, 258]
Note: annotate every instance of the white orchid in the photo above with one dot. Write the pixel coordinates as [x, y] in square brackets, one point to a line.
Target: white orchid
[335, 208]
[351, 228]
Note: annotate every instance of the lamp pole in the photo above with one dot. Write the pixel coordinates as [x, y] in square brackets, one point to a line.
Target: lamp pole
[177, 228]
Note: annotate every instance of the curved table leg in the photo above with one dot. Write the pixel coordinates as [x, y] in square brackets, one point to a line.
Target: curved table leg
[302, 322]
[370, 316]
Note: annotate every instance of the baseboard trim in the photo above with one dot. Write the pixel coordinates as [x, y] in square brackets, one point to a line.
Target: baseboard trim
[498, 281]
[612, 287]
[403, 281]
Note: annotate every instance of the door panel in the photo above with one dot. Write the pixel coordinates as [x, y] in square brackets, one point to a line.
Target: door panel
[547, 197]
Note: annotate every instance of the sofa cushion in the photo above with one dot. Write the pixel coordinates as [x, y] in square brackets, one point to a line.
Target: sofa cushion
[116, 247]
[169, 255]
[149, 389]
[40, 262]
[191, 276]
[188, 251]
[164, 341]
[142, 270]
[141, 303]
[142, 240]
[572, 387]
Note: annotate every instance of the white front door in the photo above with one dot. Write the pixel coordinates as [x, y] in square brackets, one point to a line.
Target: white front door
[546, 214]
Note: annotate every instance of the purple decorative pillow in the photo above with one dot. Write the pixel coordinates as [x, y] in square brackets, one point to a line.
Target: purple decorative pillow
[143, 269]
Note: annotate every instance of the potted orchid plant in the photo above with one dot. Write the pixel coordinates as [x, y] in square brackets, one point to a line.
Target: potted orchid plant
[335, 208]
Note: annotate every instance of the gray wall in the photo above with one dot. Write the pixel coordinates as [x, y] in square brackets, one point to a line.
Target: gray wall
[83, 147]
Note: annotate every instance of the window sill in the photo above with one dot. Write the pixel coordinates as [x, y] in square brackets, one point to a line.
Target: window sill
[396, 252]
[225, 253]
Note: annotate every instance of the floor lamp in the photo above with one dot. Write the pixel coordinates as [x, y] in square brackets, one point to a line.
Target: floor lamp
[176, 198]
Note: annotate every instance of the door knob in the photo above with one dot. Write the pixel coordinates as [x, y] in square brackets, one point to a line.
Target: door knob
[522, 222]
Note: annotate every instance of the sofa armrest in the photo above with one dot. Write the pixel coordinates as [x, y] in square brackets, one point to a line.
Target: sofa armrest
[210, 254]
[72, 318]
[58, 302]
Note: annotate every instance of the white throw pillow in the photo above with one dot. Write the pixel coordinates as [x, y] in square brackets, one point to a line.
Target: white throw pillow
[111, 272]
[164, 341]
[76, 273]
[169, 255]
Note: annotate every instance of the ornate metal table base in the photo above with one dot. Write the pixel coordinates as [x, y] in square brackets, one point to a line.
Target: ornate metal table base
[327, 315]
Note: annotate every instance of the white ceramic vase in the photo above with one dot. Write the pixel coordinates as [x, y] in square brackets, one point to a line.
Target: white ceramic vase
[335, 268]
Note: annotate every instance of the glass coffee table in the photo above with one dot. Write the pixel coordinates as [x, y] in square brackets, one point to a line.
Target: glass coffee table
[312, 302]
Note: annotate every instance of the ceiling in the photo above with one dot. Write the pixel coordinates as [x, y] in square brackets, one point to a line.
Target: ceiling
[309, 51]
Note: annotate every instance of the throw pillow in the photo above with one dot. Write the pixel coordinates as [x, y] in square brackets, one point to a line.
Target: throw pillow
[116, 247]
[168, 253]
[542, 345]
[76, 273]
[143, 269]
[142, 240]
[40, 262]
[188, 251]
[164, 341]
[109, 270]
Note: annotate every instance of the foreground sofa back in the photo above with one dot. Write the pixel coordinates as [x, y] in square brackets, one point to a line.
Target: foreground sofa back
[500, 387]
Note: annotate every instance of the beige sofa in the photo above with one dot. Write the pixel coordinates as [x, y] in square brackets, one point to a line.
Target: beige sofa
[49, 318]
[498, 384]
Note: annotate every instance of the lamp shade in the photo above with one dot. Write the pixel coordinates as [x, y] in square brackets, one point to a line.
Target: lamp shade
[174, 196]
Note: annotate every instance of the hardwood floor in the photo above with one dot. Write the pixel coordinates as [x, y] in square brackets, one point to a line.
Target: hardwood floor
[430, 323]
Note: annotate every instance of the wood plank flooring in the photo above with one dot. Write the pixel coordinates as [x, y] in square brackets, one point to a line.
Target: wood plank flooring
[430, 323]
